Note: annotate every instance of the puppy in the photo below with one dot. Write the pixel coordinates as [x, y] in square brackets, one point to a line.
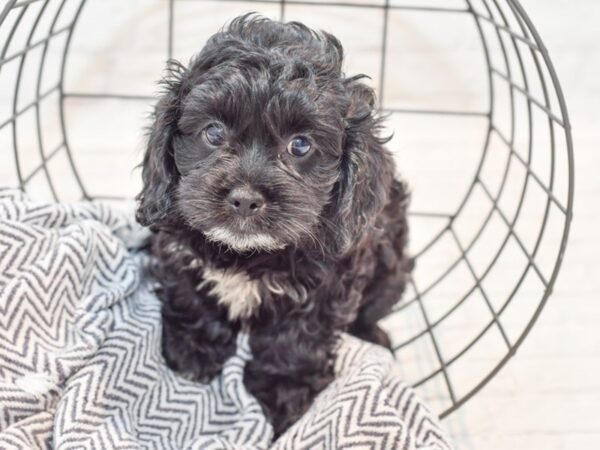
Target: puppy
[274, 210]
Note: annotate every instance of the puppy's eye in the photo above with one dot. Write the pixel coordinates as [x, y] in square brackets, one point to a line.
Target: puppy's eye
[214, 134]
[299, 146]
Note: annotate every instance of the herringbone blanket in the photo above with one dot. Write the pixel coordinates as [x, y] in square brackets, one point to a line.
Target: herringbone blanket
[81, 367]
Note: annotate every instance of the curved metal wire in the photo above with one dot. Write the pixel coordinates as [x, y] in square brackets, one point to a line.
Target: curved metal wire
[517, 37]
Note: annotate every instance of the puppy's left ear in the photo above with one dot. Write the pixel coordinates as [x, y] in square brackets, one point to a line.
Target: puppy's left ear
[367, 169]
[159, 173]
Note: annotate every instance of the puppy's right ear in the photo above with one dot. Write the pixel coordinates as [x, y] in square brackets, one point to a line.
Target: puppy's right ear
[159, 173]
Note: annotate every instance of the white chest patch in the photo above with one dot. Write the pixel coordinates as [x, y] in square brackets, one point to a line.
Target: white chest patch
[234, 289]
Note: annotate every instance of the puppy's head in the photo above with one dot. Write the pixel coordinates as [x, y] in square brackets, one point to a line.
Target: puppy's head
[262, 143]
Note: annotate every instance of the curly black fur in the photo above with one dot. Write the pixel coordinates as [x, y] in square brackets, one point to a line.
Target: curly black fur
[338, 216]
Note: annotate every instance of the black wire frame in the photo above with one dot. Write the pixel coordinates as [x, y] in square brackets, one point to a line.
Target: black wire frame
[501, 15]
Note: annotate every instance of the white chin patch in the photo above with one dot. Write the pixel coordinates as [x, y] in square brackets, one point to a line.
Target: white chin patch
[243, 242]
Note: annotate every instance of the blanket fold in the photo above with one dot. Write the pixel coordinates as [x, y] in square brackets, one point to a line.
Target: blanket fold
[81, 366]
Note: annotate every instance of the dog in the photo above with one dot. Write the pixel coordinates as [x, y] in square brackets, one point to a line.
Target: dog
[275, 210]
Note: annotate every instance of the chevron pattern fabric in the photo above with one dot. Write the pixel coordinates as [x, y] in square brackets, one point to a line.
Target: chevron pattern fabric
[81, 366]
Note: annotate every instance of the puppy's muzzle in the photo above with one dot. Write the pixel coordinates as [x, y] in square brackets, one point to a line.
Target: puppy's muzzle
[245, 201]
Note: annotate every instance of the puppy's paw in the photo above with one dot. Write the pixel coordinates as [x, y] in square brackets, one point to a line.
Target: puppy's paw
[196, 367]
[375, 335]
[195, 359]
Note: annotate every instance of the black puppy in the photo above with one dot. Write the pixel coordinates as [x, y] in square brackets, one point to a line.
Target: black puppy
[274, 209]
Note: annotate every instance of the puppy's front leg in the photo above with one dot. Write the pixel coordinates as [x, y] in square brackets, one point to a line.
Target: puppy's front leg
[292, 362]
[197, 338]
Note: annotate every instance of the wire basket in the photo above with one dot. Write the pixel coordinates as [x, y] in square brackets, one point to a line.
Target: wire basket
[473, 99]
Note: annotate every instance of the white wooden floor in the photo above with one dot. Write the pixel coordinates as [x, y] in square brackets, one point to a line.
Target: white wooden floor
[547, 396]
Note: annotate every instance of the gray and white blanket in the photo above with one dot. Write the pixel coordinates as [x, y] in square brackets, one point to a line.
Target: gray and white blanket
[81, 366]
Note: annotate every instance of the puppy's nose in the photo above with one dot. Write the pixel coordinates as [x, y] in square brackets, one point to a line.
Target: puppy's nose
[246, 202]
